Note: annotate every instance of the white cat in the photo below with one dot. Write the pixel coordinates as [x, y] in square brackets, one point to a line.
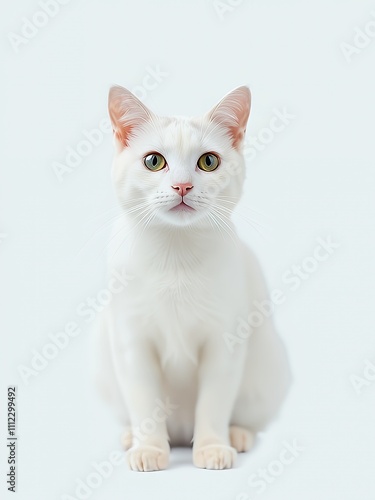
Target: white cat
[166, 360]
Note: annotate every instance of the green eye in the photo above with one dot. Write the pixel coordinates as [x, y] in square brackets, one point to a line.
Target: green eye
[208, 162]
[154, 162]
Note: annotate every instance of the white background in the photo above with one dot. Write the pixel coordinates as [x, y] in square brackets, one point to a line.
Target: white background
[315, 179]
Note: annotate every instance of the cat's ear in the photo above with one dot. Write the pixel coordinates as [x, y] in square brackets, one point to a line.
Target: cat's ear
[127, 113]
[233, 112]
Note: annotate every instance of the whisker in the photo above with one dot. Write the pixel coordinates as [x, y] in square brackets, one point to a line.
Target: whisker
[123, 228]
[227, 199]
[251, 223]
[225, 225]
[246, 218]
[149, 217]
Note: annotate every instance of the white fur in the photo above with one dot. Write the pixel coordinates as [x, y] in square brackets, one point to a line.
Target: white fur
[192, 280]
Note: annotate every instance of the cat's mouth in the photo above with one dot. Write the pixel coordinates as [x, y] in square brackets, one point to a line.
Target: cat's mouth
[182, 207]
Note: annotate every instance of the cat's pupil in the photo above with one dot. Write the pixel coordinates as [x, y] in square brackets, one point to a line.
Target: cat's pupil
[154, 160]
[208, 161]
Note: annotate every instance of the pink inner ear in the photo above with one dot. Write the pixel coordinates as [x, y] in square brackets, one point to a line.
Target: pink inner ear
[123, 132]
[233, 112]
[115, 112]
[126, 112]
[237, 135]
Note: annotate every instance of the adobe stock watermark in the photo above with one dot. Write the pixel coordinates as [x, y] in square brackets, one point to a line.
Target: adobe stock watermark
[31, 26]
[265, 476]
[252, 146]
[149, 425]
[366, 379]
[222, 8]
[278, 122]
[58, 342]
[93, 138]
[361, 39]
[100, 471]
[223, 179]
[293, 277]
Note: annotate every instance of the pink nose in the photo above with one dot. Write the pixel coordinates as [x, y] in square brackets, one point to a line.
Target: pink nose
[182, 188]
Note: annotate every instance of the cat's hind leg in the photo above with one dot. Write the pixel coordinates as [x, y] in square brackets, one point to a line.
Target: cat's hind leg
[127, 438]
[265, 382]
[241, 439]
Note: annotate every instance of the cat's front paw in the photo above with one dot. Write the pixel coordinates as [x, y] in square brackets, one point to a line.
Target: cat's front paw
[146, 458]
[214, 456]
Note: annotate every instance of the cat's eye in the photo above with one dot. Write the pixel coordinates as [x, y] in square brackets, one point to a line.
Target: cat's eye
[154, 162]
[208, 162]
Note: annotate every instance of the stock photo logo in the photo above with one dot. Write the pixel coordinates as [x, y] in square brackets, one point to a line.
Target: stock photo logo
[225, 7]
[260, 480]
[293, 278]
[57, 342]
[100, 472]
[31, 26]
[362, 38]
[365, 379]
[279, 121]
[92, 138]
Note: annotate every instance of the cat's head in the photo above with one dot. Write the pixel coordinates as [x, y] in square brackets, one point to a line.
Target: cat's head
[175, 170]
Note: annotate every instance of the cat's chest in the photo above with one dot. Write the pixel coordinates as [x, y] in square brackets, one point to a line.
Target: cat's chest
[186, 299]
[185, 310]
[180, 291]
[184, 286]
[178, 276]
